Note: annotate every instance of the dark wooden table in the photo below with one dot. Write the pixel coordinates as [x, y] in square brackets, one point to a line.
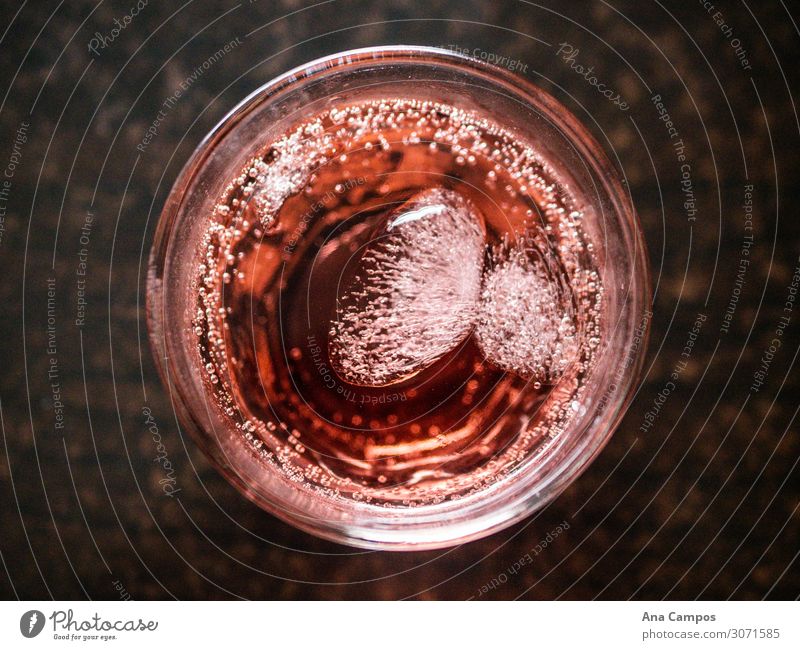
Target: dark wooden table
[703, 503]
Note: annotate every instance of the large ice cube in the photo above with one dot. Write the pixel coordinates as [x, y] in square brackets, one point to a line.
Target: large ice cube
[415, 294]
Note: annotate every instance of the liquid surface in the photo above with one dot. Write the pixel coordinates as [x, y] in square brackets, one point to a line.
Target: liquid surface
[397, 304]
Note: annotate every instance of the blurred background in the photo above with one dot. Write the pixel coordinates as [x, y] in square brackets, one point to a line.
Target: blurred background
[696, 494]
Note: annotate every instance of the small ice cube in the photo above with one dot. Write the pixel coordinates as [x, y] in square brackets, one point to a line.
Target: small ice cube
[525, 323]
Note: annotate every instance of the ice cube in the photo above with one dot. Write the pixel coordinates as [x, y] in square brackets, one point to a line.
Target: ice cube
[414, 296]
[525, 322]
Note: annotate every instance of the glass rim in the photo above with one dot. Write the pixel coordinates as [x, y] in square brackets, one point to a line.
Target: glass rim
[433, 526]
